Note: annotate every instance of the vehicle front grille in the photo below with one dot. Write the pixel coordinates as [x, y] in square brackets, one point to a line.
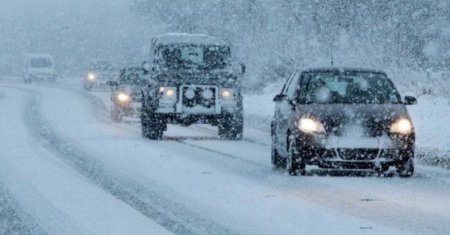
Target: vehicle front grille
[199, 96]
[358, 154]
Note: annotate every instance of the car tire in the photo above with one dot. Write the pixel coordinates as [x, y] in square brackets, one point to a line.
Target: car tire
[405, 168]
[295, 165]
[87, 87]
[231, 127]
[152, 126]
[278, 162]
[115, 114]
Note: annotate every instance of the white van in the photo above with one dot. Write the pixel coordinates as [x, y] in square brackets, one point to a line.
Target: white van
[39, 67]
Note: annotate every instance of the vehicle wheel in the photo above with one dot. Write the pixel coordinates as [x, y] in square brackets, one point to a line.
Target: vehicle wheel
[405, 168]
[278, 162]
[87, 87]
[152, 127]
[231, 127]
[115, 114]
[295, 165]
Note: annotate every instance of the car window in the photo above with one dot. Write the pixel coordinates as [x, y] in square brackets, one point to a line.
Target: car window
[293, 86]
[349, 88]
[288, 81]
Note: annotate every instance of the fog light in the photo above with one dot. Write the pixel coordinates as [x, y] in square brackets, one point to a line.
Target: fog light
[207, 94]
[189, 93]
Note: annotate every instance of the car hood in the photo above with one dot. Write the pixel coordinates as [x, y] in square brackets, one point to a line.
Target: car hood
[356, 120]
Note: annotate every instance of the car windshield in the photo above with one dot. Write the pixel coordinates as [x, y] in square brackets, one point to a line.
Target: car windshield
[195, 57]
[41, 63]
[102, 65]
[132, 76]
[349, 88]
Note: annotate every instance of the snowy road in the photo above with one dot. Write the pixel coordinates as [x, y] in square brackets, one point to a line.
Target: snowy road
[66, 168]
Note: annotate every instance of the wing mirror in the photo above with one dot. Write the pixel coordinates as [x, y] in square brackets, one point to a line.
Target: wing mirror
[146, 66]
[410, 100]
[113, 85]
[279, 97]
[243, 68]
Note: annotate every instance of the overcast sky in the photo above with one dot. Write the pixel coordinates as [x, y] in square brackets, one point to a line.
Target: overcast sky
[74, 31]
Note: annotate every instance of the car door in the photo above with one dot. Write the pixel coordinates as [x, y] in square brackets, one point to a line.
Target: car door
[284, 112]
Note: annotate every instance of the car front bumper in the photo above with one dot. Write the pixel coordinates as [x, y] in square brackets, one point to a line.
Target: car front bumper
[353, 152]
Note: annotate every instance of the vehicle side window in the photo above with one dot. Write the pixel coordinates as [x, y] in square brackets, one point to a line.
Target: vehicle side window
[286, 85]
[293, 86]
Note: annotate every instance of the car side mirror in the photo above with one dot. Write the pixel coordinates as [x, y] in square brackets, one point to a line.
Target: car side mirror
[279, 97]
[410, 100]
[146, 66]
[112, 83]
[243, 68]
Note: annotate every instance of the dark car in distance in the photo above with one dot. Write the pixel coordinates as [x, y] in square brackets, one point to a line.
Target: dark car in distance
[342, 118]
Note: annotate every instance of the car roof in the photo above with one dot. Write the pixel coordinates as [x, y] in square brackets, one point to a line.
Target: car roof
[185, 38]
[341, 70]
[33, 56]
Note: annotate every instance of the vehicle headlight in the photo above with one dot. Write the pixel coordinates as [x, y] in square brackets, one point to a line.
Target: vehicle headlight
[167, 91]
[91, 76]
[123, 98]
[168, 94]
[402, 126]
[227, 94]
[310, 126]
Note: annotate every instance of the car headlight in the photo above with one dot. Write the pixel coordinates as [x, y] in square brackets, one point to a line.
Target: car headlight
[227, 94]
[168, 94]
[402, 126]
[310, 126]
[123, 98]
[91, 76]
[167, 91]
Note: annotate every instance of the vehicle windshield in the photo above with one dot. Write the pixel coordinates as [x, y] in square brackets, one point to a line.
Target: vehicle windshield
[41, 63]
[132, 76]
[102, 65]
[195, 57]
[349, 88]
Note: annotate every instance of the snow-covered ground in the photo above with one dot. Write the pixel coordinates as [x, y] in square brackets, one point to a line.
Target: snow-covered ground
[65, 167]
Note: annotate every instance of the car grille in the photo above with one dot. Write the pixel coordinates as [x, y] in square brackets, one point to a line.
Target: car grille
[358, 154]
[195, 96]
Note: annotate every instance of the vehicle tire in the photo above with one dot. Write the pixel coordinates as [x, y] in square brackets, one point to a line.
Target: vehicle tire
[87, 87]
[278, 162]
[295, 165]
[115, 114]
[231, 126]
[405, 168]
[152, 125]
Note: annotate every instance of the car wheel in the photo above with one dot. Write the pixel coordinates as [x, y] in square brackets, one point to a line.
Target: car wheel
[231, 127]
[295, 164]
[115, 114]
[152, 126]
[278, 162]
[87, 87]
[405, 169]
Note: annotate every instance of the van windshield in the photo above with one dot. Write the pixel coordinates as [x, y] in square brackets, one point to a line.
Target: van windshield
[41, 63]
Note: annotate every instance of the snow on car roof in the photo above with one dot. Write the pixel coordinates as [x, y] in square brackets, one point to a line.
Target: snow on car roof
[341, 69]
[185, 38]
[38, 56]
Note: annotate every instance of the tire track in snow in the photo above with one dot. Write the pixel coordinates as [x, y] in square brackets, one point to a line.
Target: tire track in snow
[168, 214]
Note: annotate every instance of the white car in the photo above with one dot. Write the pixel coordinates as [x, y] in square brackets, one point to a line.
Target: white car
[39, 67]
